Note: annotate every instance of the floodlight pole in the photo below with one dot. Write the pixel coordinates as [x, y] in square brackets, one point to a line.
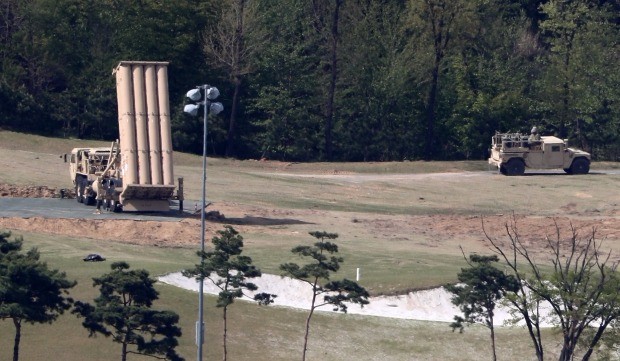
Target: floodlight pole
[200, 327]
[195, 95]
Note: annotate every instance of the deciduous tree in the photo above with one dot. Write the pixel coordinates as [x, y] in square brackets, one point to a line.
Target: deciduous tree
[563, 28]
[231, 44]
[438, 24]
[576, 89]
[377, 107]
[581, 287]
[326, 22]
[289, 94]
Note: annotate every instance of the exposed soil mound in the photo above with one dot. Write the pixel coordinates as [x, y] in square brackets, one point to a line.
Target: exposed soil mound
[169, 234]
[7, 190]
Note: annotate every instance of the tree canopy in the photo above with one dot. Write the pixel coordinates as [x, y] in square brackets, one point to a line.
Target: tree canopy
[123, 312]
[354, 80]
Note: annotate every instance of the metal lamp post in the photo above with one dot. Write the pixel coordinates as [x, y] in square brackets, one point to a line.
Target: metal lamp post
[210, 93]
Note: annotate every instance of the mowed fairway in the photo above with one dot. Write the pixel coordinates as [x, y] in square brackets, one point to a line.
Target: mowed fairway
[402, 223]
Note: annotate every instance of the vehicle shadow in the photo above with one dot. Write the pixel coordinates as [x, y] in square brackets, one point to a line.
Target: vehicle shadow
[257, 221]
[557, 174]
[212, 217]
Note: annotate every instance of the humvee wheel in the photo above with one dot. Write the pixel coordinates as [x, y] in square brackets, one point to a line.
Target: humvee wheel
[515, 167]
[580, 166]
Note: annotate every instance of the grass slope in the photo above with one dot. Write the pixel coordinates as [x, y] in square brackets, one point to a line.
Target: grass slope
[341, 198]
[256, 333]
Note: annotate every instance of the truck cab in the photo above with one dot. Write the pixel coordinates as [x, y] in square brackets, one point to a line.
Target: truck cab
[87, 165]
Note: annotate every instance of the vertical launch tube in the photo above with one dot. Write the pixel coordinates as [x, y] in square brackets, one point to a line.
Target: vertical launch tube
[145, 135]
[164, 124]
[153, 124]
[144, 171]
[127, 125]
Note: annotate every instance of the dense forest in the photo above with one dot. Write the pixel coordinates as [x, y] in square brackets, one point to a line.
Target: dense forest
[324, 80]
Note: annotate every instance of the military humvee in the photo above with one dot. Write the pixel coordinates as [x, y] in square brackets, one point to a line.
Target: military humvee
[511, 153]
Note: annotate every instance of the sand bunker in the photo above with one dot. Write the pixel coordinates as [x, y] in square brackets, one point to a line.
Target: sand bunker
[427, 305]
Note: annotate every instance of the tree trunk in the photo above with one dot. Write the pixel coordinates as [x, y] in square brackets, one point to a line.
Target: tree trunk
[329, 104]
[440, 19]
[568, 349]
[236, 72]
[307, 333]
[494, 353]
[225, 333]
[233, 118]
[124, 350]
[18, 335]
[595, 340]
[566, 90]
[430, 111]
[535, 339]
[303, 357]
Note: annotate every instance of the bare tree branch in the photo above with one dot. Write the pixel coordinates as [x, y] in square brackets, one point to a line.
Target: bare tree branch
[581, 286]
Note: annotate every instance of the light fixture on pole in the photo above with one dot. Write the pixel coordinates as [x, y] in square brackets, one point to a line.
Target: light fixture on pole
[196, 95]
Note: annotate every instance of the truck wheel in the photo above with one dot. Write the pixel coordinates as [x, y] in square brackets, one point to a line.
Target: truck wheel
[90, 201]
[580, 166]
[515, 167]
[502, 169]
[79, 193]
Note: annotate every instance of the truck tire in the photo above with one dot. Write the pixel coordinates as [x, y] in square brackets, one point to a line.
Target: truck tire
[78, 196]
[90, 200]
[515, 166]
[79, 191]
[580, 166]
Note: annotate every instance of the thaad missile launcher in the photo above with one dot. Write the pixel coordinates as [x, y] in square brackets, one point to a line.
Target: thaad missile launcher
[135, 173]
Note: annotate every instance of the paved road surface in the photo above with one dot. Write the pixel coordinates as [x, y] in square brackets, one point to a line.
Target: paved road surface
[69, 208]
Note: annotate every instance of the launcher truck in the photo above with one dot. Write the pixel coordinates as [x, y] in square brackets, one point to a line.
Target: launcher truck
[135, 173]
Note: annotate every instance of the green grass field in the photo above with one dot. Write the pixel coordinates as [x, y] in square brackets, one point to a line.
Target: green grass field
[392, 260]
[256, 332]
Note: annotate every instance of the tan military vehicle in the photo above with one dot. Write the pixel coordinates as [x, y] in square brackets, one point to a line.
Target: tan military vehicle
[511, 153]
[136, 172]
